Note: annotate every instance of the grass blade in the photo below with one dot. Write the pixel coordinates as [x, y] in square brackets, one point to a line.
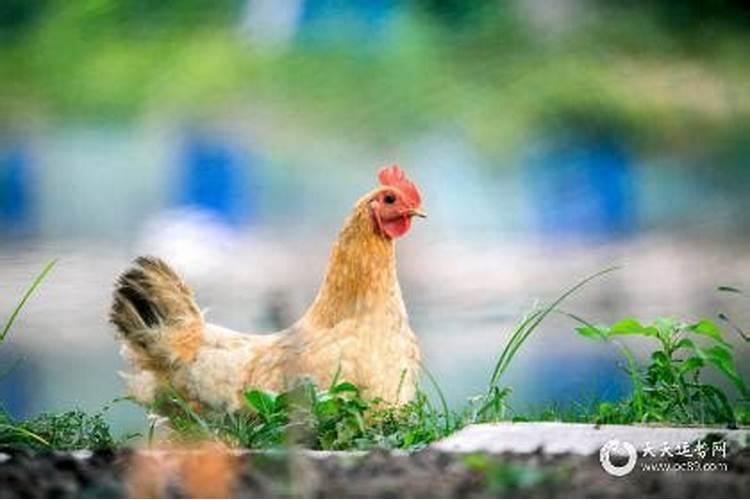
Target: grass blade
[441, 397]
[514, 339]
[527, 327]
[37, 281]
[27, 433]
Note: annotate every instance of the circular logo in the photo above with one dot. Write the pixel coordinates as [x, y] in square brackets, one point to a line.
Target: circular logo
[617, 448]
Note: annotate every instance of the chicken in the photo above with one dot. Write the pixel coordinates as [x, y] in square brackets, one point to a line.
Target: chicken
[357, 327]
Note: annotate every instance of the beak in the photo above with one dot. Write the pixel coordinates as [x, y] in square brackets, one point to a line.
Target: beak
[417, 212]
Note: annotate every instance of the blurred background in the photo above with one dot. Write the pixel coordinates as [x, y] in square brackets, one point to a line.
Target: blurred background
[550, 139]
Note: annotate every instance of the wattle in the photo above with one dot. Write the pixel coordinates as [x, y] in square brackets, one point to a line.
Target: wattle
[395, 228]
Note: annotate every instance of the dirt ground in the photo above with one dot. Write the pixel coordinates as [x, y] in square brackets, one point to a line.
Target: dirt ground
[426, 474]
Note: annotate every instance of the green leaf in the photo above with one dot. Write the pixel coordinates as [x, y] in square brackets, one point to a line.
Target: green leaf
[344, 387]
[326, 407]
[592, 331]
[631, 326]
[660, 358]
[709, 329]
[666, 327]
[721, 358]
[685, 344]
[264, 402]
[720, 403]
[690, 364]
[722, 354]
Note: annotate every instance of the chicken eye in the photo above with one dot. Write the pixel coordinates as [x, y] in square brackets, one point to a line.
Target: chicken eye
[389, 199]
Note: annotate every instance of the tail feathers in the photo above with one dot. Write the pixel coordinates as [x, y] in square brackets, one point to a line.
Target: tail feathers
[156, 315]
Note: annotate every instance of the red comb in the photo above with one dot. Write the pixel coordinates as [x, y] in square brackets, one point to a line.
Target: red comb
[395, 177]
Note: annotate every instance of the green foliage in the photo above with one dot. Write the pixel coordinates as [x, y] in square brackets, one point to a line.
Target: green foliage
[335, 418]
[492, 70]
[326, 419]
[70, 430]
[672, 387]
[413, 425]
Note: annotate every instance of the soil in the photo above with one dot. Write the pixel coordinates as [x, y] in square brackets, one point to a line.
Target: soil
[425, 474]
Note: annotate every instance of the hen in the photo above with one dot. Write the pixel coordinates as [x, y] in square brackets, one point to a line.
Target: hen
[357, 327]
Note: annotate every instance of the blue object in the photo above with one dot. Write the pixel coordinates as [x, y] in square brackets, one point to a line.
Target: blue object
[15, 192]
[583, 185]
[219, 179]
[19, 378]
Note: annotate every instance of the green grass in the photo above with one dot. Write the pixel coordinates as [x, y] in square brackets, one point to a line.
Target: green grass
[70, 430]
[335, 418]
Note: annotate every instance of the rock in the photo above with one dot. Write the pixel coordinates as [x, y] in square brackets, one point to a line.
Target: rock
[581, 439]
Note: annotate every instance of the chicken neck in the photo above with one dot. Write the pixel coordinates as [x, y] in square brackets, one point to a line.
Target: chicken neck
[361, 276]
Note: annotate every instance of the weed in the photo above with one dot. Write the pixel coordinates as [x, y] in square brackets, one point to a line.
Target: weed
[21, 303]
[16, 310]
[70, 430]
[671, 387]
[335, 418]
[492, 406]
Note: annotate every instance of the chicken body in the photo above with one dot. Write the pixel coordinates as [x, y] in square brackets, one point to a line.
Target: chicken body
[357, 327]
